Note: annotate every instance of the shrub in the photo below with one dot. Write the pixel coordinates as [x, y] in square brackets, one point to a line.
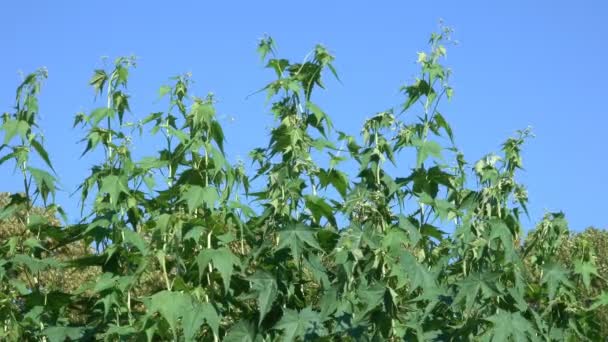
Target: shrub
[186, 246]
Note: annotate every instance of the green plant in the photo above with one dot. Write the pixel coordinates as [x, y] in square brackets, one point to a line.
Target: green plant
[189, 247]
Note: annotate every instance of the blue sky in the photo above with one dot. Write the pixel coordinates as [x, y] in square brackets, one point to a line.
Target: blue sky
[518, 64]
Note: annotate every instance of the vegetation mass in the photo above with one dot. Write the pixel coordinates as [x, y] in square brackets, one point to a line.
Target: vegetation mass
[185, 246]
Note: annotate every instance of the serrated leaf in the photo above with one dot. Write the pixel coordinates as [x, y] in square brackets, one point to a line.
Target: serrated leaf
[319, 208]
[601, 300]
[406, 224]
[99, 114]
[98, 80]
[42, 153]
[223, 260]
[164, 90]
[337, 179]
[196, 196]
[499, 230]
[218, 135]
[554, 275]
[265, 287]
[13, 127]
[36, 265]
[426, 149]
[394, 241]
[45, 182]
[419, 275]
[148, 163]
[305, 325]
[441, 122]
[182, 310]
[297, 237]
[371, 296]
[585, 269]
[136, 240]
[61, 334]
[509, 326]
[242, 331]
[115, 330]
[472, 285]
[113, 186]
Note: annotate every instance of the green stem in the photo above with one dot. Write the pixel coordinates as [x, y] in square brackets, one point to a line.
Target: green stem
[109, 123]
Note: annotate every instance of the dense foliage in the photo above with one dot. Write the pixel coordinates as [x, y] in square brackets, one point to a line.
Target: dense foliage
[182, 245]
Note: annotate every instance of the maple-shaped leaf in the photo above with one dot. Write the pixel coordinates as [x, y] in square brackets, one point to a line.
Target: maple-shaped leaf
[585, 269]
[419, 275]
[182, 310]
[60, 334]
[297, 237]
[195, 196]
[555, 275]
[371, 296]
[469, 288]
[223, 260]
[265, 286]
[305, 324]
[113, 186]
[510, 326]
[242, 331]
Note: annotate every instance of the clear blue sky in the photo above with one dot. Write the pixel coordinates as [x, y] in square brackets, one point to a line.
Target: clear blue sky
[519, 63]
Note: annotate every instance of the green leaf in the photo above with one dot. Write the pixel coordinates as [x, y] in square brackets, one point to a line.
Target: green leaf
[218, 135]
[426, 149]
[339, 180]
[297, 237]
[121, 103]
[8, 156]
[499, 230]
[182, 310]
[196, 196]
[265, 46]
[113, 186]
[555, 275]
[164, 90]
[115, 330]
[394, 241]
[223, 260]
[313, 263]
[103, 282]
[42, 153]
[202, 113]
[157, 116]
[305, 325]
[13, 127]
[472, 285]
[585, 269]
[61, 334]
[45, 182]
[441, 122]
[98, 80]
[601, 300]
[20, 286]
[242, 331]
[148, 163]
[406, 224]
[99, 114]
[319, 208]
[201, 313]
[509, 326]
[419, 275]
[415, 91]
[136, 240]
[265, 286]
[371, 296]
[320, 116]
